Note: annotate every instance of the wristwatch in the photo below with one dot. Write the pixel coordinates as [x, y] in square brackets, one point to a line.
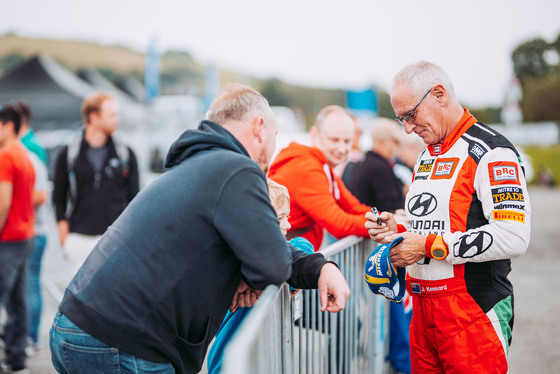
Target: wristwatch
[438, 250]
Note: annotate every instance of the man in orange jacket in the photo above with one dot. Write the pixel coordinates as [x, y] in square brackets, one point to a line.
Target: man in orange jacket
[319, 199]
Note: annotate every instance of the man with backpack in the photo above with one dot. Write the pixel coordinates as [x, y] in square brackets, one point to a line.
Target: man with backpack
[96, 176]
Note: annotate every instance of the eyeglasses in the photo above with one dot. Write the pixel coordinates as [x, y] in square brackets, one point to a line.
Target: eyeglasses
[411, 115]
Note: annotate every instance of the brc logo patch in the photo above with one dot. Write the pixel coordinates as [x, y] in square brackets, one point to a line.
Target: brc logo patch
[444, 168]
[508, 215]
[503, 173]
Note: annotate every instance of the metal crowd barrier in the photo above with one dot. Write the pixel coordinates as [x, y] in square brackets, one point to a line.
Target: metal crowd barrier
[284, 334]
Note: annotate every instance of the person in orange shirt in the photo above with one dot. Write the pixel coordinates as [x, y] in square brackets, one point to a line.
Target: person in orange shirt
[319, 199]
[17, 178]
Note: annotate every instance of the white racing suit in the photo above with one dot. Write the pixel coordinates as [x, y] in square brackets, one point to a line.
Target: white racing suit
[471, 190]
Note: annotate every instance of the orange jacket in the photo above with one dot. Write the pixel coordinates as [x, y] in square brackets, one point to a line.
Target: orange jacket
[316, 203]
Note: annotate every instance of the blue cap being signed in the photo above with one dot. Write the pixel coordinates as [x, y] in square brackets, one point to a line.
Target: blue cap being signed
[381, 276]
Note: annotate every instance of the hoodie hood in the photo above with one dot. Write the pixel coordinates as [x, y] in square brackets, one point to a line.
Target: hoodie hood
[300, 152]
[209, 135]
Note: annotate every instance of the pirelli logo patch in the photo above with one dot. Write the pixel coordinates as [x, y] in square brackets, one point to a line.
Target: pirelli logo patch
[444, 168]
[503, 173]
[508, 215]
[507, 194]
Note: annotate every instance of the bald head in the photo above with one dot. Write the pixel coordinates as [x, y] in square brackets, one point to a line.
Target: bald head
[333, 134]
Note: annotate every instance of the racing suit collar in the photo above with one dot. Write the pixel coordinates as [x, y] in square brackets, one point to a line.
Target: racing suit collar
[464, 124]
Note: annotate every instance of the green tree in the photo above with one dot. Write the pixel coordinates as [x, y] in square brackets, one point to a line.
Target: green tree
[384, 107]
[309, 100]
[275, 92]
[541, 99]
[536, 64]
[487, 115]
[529, 60]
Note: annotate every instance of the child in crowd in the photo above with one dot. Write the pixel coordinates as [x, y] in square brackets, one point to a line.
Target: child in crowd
[280, 199]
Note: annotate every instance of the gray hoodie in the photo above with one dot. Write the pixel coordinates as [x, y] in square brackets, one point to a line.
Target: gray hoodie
[159, 282]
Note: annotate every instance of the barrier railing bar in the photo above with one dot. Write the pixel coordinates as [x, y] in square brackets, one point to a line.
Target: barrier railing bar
[236, 351]
[352, 341]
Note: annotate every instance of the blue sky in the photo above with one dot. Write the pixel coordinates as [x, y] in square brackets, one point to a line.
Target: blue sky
[323, 43]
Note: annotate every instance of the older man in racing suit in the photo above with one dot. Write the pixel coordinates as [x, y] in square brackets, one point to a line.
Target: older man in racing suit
[469, 214]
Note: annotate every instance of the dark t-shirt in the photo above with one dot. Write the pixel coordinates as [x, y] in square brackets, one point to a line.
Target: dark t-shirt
[374, 183]
[97, 157]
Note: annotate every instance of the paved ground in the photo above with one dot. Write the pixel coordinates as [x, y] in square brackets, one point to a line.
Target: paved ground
[536, 281]
[55, 276]
[536, 278]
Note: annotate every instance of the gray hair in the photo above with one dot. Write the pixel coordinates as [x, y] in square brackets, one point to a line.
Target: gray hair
[421, 76]
[386, 129]
[234, 103]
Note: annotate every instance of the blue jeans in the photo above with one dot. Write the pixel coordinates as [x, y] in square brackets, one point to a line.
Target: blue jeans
[13, 264]
[73, 351]
[33, 287]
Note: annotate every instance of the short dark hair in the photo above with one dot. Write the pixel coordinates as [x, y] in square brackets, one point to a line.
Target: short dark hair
[23, 108]
[9, 114]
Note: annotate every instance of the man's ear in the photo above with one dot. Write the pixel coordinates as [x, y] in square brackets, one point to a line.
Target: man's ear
[10, 125]
[91, 117]
[314, 132]
[94, 116]
[440, 92]
[258, 128]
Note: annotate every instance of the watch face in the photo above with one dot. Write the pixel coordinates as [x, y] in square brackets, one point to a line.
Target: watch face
[438, 253]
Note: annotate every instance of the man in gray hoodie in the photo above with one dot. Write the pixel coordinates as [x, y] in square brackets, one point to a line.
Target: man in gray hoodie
[159, 282]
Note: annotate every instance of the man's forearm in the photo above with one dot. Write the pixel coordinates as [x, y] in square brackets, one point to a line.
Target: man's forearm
[306, 270]
[3, 218]
[39, 197]
[5, 203]
[63, 230]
